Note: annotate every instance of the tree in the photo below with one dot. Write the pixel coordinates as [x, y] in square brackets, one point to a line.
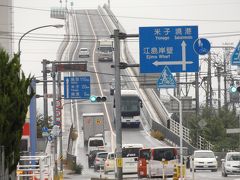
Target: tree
[215, 129]
[14, 102]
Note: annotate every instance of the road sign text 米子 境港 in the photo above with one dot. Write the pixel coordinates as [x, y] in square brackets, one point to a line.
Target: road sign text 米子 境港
[170, 46]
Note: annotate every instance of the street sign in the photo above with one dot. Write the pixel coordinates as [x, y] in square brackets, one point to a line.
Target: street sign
[45, 134]
[71, 67]
[168, 45]
[77, 87]
[44, 129]
[235, 58]
[233, 131]
[166, 79]
[202, 46]
[55, 130]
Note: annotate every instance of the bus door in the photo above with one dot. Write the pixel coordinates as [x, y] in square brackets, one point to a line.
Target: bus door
[144, 157]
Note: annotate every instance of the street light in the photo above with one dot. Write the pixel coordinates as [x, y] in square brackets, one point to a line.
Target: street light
[40, 27]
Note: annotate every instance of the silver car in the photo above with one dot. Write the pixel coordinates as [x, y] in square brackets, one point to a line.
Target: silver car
[99, 160]
[84, 52]
[231, 164]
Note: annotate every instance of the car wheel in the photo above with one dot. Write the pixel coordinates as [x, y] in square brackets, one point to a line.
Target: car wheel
[190, 169]
[194, 170]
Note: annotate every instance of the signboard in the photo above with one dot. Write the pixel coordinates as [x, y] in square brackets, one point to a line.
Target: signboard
[168, 45]
[235, 58]
[166, 79]
[202, 46]
[71, 67]
[77, 87]
[233, 131]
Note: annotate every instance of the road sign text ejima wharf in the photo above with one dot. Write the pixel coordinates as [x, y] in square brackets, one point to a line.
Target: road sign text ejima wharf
[168, 45]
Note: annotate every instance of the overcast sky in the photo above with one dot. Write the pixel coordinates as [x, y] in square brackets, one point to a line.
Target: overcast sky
[218, 20]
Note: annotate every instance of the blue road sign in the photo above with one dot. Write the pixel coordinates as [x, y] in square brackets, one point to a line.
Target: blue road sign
[166, 79]
[235, 58]
[77, 87]
[44, 129]
[168, 45]
[202, 46]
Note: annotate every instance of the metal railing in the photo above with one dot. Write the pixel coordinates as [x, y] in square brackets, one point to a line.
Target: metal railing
[37, 167]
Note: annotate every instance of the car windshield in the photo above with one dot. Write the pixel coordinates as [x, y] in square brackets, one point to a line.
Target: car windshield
[102, 155]
[233, 157]
[203, 155]
[83, 50]
[96, 143]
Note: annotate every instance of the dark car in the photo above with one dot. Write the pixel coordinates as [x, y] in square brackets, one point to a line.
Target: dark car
[91, 157]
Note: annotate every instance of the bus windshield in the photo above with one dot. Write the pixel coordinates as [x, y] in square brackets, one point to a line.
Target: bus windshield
[130, 106]
[106, 49]
[130, 152]
[166, 154]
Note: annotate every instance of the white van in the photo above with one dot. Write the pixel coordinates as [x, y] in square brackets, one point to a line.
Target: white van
[203, 160]
[96, 143]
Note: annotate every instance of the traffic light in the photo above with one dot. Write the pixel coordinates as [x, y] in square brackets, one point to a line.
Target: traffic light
[234, 94]
[98, 98]
[233, 89]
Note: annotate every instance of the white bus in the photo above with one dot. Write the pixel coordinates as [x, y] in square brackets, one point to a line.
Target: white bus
[130, 153]
[131, 105]
[157, 162]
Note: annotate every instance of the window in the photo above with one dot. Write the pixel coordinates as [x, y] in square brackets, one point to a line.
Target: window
[96, 143]
[160, 154]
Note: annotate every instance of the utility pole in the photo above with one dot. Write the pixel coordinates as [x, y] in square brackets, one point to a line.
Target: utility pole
[117, 96]
[225, 79]
[209, 81]
[54, 118]
[45, 92]
[219, 87]
[197, 92]
[59, 98]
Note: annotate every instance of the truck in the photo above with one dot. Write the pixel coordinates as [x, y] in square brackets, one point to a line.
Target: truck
[93, 123]
[105, 50]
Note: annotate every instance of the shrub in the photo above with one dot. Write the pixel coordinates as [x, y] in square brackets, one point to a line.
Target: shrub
[77, 168]
[157, 134]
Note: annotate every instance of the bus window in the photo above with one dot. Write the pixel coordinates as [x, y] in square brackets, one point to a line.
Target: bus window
[166, 154]
[145, 154]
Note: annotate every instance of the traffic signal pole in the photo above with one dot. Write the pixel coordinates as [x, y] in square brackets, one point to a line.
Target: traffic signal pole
[117, 96]
[54, 118]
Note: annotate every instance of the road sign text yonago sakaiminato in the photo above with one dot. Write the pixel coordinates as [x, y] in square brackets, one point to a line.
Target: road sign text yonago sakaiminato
[168, 45]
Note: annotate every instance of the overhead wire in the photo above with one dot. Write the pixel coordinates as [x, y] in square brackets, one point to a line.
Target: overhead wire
[132, 17]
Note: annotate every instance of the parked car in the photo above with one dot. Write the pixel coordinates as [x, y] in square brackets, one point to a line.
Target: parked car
[91, 157]
[99, 160]
[109, 164]
[84, 52]
[231, 164]
[203, 160]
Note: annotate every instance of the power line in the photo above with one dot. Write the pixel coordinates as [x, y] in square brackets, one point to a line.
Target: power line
[134, 17]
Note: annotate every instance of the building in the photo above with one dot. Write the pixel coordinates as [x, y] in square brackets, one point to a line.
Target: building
[6, 25]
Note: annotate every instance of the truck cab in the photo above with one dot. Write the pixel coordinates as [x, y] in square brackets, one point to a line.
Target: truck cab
[96, 143]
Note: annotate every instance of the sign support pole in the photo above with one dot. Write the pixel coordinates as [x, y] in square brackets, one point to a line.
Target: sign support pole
[54, 117]
[180, 133]
[117, 96]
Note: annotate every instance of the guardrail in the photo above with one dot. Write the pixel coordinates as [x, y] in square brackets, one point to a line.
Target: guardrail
[37, 167]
